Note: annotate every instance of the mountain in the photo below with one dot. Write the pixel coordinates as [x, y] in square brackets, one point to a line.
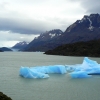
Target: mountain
[1, 51]
[20, 45]
[42, 42]
[88, 48]
[86, 29]
[5, 49]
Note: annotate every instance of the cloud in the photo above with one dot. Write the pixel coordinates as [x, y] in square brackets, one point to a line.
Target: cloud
[35, 17]
[7, 38]
[22, 26]
[91, 6]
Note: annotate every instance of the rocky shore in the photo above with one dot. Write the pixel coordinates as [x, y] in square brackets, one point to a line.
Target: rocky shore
[4, 97]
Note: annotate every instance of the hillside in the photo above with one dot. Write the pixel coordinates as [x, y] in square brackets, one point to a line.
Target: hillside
[5, 49]
[89, 48]
[88, 28]
[1, 51]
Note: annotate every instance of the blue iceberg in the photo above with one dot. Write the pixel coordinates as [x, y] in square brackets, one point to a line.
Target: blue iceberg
[79, 74]
[28, 73]
[41, 72]
[84, 70]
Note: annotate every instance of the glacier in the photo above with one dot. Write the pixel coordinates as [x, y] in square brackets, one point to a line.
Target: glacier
[85, 70]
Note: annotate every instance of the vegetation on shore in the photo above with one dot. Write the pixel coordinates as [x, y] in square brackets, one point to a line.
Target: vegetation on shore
[4, 97]
[5, 49]
[89, 48]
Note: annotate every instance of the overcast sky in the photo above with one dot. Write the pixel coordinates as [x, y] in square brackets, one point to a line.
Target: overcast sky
[22, 20]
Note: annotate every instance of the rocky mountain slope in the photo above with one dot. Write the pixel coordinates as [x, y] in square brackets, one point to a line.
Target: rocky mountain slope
[88, 28]
[44, 41]
[20, 45]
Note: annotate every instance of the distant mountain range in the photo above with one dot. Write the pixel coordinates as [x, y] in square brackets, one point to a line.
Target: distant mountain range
[44, 41]
[5, 49]
[20, 45]
[88, 28]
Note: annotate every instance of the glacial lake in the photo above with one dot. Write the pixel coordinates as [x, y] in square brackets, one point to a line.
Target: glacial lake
[56, 87]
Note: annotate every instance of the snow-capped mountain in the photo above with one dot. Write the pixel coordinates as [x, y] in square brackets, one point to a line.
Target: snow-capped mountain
[90, 22]
[88, 28]
[20, 45]
[48, 35]
[43, 39]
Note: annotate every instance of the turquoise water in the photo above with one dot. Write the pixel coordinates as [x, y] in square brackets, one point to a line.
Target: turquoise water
[57, 87]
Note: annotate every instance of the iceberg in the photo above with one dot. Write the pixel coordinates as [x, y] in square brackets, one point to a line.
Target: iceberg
[60, 69]
[41, 72]
[79, 74]
[28, 73]
[84, 70]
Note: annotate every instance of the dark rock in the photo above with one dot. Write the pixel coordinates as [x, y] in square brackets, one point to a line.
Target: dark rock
[4, 97]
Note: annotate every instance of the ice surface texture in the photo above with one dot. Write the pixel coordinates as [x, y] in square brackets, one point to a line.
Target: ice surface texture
[85, 69]
[41, 72]
[79, 74]
[75, 71]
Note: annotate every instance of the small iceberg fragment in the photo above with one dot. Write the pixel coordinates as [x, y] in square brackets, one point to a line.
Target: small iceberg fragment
[79, 74]
[41, 72]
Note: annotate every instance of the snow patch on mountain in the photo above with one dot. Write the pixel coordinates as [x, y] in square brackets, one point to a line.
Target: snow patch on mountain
[20, 45]
[90, 27]
[52, 35]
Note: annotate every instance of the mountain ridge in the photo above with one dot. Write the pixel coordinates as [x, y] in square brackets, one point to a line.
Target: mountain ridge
[86, 29]
[42, 40]
[20, 45]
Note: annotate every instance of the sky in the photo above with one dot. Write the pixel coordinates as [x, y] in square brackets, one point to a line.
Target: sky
[23, 20]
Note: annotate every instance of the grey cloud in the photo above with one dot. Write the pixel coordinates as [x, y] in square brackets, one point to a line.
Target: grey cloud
[94, 9]
[27, 26]
[18, 26]
[12, 20]
[91, 6]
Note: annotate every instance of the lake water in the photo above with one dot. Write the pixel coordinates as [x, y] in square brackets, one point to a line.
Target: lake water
[57, 87]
